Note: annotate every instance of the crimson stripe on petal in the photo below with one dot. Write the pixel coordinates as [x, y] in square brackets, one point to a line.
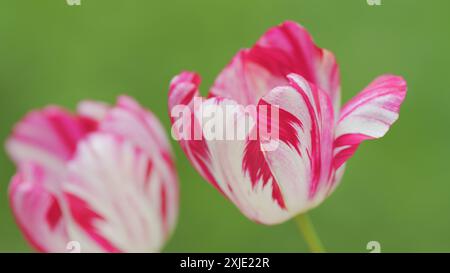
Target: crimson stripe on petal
[85, 217]
[183, 89]
[254, 161]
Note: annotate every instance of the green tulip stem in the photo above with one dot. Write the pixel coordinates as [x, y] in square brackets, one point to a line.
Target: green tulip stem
[306, 227]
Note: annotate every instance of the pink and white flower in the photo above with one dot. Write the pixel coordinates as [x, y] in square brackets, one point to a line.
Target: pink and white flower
[288, 72]
[103, 177]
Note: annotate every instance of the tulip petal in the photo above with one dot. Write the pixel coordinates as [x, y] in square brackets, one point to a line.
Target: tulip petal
[48, 137]
[236, 161]
[368, 115]
[284, 49]
[130, 121]
[301, 162]
[37, 211]
[116, 197]
[183, 92]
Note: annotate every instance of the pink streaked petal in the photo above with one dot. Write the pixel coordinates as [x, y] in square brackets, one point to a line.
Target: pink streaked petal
[368, 115]
[86, 218]
[302, 161]
[284, 49]
[48, 137]
[183, 89]
[182, 92]
[118, 200]
[130, 121]
[237, 164]
[244, 81]
[37, 211]
[256, 166]
[185, 77]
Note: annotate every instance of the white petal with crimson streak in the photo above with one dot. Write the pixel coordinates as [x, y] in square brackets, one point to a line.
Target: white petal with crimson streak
[37, 211]
[110, 175]
[139, 126]
[302, 163]
[368, 115]
[226, 159]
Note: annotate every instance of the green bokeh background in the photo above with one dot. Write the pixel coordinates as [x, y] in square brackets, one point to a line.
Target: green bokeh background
[396, 190]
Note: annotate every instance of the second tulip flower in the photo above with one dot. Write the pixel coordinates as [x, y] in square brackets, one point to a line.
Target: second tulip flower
[103, 178]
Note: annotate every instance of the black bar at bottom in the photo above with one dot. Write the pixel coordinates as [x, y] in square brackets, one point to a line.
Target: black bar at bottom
[223, 262]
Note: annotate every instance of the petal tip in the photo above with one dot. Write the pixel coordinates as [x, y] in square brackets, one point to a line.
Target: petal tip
[183, 77]
[183, 88]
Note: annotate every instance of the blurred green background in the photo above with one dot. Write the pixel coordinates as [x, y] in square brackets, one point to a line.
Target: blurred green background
[396, 190]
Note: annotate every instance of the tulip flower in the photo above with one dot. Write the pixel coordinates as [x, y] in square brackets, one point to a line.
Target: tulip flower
[287, 72]
[103, 178]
